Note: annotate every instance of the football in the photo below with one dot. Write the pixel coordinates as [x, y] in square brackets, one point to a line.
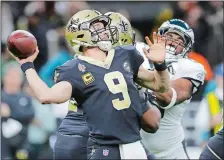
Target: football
[21, 43]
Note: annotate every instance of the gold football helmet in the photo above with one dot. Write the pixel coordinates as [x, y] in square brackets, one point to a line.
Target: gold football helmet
[126, 34]
[81, 31]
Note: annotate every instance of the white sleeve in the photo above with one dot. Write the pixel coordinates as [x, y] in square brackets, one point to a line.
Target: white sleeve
[192, 71]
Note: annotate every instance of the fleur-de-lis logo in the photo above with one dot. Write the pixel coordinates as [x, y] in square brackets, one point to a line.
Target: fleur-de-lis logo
[124, 27]
[73, 26]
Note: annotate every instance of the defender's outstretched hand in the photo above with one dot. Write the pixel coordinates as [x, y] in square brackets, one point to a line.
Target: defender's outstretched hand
[28, 59]
[157, 49]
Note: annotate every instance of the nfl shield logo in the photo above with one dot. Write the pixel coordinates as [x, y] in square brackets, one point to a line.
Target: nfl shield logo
[81, 68]
[105, 152]
[126, 66]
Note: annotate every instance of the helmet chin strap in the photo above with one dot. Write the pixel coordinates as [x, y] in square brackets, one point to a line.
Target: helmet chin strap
[104, 45]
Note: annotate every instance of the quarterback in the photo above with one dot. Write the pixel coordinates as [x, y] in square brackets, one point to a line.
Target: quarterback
[186, 78]
[73, 132]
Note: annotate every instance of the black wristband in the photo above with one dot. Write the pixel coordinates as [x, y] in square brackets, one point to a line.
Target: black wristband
[160, 67]
[26, 66]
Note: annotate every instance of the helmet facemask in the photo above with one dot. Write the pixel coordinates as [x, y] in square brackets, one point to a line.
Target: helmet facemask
[103, 34]
[173, 46]
[93, 33]
[104, 37]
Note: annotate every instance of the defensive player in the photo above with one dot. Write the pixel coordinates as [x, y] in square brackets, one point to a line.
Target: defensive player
[73, 132]
[102, 84]
[186, 78]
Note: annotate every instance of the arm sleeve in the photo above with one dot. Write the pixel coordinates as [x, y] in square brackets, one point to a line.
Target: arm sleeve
[194, 72]
[196, 78]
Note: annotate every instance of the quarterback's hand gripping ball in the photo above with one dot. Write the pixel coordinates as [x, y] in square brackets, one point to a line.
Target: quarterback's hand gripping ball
[23, 46]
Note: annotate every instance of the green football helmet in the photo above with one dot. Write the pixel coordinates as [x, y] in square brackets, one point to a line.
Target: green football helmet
[79, 32]
[182, 29]
[126, 34]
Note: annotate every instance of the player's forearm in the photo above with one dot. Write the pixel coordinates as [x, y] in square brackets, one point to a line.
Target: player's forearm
[40, 89]
[166, 98]
[182, 89]
[153, 80]
[161, 81]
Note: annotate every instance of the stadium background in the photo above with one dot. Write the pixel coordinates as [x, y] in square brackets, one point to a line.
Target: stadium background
[46, 21]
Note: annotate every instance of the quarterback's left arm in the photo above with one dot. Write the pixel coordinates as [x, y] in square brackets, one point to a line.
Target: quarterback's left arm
[154, 80]
[184, 87]
[157, 80]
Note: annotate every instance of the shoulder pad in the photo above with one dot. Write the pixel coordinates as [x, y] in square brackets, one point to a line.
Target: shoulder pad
[191, 70]
[68, 64]
[64, 71]
[190, 65]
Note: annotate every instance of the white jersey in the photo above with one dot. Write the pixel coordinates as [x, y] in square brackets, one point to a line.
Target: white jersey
[167, 141]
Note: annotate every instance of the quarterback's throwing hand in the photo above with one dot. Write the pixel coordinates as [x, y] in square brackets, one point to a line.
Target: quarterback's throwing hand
[157, 50]
[28, 59]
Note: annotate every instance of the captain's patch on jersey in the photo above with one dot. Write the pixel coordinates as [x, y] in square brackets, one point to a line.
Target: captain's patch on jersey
[88, 78]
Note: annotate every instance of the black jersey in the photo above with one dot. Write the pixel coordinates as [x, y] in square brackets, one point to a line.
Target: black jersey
[107, 94]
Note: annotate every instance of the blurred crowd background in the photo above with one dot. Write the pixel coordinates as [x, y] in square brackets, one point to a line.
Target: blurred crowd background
[29, 128]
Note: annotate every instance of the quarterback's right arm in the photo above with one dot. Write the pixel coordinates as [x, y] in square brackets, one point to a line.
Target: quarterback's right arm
[58, 93]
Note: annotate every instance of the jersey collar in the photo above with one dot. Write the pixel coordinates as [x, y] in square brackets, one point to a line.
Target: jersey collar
[106, 64]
